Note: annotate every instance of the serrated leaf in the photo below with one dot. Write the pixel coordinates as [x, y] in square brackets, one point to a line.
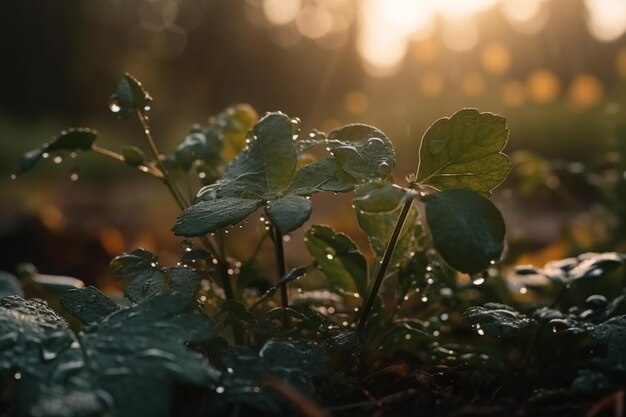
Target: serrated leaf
[208, 216]
[235, 310]
[68, 140]
[612, 335]
[185, 281]
[378, 196]
[289, 212]
[339, 258]
[88, 304]
[495, 319]
[323, 175]
[133, 156]
[464, 151]
[466, 228]
[362, 151]
[129, 96]
[139, 266]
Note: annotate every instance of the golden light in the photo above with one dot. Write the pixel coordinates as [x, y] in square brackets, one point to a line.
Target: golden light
[513, 93]
[460, 34]
[473, 84]
[356, 102]
[425, 52]
[606, 19]
[281, 12]
[585, 91]
[314, 22]
[431, 83]
[495, 58]
[543, 86]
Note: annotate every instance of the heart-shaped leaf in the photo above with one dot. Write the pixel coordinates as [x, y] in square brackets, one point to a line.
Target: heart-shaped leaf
[289, 212]
[467, 229]
[464, 151]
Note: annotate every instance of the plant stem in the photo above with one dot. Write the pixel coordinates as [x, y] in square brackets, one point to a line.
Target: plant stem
[384, 264]
[280, 262]
[167, 179]
[119, 157]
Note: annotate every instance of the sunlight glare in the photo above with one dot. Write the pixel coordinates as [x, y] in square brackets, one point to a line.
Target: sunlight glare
[281, 12]
[606, 19]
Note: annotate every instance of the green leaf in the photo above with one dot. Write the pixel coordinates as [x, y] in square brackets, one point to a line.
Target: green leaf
[140, 267]
[323, 175]
[88, 304]
[495, 319]
[362, 151]
[290, 276]
[130, 96]
[68, 140]
[464, 151]
[208, 216]
[185, 281]
[289, 212]
[133, 156]
[584, 266]
[378, 196]
[203, 145]
[378, 228]
[467, 229]
[339, 258]
[267, 165]
[232, 310]
[9, 285]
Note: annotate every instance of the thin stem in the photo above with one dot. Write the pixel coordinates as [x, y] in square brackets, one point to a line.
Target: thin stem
[120, 158]
[280, 262]
[384, 264]
[167, 179]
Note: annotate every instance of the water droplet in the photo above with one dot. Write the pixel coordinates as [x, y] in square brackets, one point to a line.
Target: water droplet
[479, 330]
[375, 143]
[73, 154]
[478, 281]
[74, 174]
[114, 104]
[444, 316]
[17, 376]
[153, 264]
[523, 290]
[219, 390]
[424, 299]
[57, 159]
[329, 256]
[186, 245]
[13, 176]
[286, 238]
[45, 155]
[407, 336]
[147, 107]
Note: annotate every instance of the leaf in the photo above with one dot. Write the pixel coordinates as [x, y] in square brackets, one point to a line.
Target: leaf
[9, 285]
[495, 319]
[133, 156]
[295, 362]
[584, 266]
[185, 281]
[378, 228]
[378, 196]
[323, 175]
[235, 310]
[130, 96]
[339, 258]
[467, 229]
[362, 151]
[612, 335]
[140, 267]
[268, 165]
[88, 304]
[208, 216]
[289, 212]
[464, 151]
[205, 145]
[68, 140]
[234, 123]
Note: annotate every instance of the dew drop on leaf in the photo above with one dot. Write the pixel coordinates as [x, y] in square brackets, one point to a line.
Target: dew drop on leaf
[114, 105]
[375, 143]
[13, 176]
[57, 159]
[45, 155]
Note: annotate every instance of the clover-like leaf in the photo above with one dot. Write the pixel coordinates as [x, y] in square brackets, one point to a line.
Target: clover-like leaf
[199, 145]
[464, 151]
[362, 151]
[140, 267]
[466, 228]
[208, 216]
[289, 212]
[495, 319]
[88, 304]
[74, 139]
[129, 97]
[323, 175]
[339, 258]
[378, 196]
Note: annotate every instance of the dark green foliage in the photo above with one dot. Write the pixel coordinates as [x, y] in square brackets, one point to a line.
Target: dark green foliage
[497, 320]
[9, 285]
[467, 229]
[129, 97]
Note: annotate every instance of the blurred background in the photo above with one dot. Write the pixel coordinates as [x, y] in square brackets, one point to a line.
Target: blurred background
[556, 69]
